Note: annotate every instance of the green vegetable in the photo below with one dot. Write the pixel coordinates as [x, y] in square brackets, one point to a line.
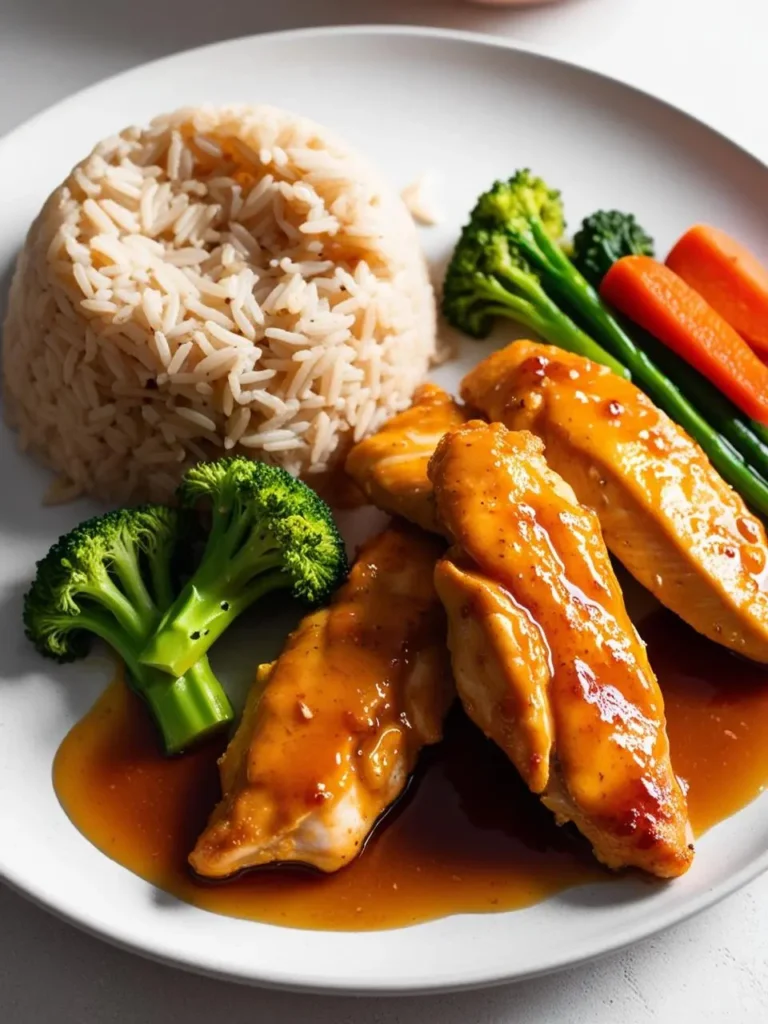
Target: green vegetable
[269, 532]
[111, 577]
[748, 437]
[522, 218]
[491, 274]
[604, 237]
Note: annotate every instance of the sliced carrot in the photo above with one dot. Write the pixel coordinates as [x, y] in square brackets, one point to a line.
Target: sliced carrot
[729, 277]
[661, 302]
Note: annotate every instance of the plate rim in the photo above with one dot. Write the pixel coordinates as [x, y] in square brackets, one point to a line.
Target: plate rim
[286, 980]
[382, 29]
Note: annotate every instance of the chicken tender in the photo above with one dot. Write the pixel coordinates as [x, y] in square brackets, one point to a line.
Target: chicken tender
[329, 744]
[546, 659]
[390, 466]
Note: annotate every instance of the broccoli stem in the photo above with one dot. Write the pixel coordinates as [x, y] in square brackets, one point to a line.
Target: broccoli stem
[185, 710]
[125, 565]
[131, 621]
[110, 578]
[162, 584]
[544, 317]
[226, 583]
[190, 707]
[191, 627]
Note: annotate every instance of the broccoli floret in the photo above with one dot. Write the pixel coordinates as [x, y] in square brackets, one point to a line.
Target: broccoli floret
[110, 577]
[525, 203]
[268, 532]
[603, 238]
[505, 263]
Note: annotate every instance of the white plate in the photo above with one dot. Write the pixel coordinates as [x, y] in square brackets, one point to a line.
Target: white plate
[471, 109]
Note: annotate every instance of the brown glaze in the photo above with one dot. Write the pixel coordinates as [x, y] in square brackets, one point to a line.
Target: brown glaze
[717, 719]
[468, 836]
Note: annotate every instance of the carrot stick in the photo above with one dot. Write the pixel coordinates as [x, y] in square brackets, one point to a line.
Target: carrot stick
[656, 298]
[729, 277]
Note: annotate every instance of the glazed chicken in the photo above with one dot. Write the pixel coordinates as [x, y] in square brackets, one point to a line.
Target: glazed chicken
[390, 466]
[545, 657]
[665, 513]
[333, 728]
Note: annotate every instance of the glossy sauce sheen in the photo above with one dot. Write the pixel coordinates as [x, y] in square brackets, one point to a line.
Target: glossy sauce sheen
[468, 836]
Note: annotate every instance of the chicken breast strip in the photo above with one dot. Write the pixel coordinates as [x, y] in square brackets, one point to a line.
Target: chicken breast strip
[333, 729]
[546, 659]
[665, 513]
[390, 466]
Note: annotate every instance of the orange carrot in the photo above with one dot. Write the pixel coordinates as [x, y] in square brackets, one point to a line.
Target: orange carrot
[729, 277]
[661, 302]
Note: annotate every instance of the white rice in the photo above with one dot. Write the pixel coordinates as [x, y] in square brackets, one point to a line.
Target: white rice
[418, 198]
[226, 280]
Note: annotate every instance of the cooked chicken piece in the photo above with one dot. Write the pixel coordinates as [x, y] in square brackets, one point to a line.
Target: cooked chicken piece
[664, 511]
[390, 466]
[333, 728]
[500, 664]
[546, 659]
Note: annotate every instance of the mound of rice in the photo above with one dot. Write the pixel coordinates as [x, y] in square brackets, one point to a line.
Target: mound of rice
[227, 280]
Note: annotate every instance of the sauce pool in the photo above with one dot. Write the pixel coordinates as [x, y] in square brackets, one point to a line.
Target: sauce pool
[467, 836]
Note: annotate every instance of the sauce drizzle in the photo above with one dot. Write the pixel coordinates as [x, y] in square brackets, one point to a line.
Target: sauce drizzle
[467, 837]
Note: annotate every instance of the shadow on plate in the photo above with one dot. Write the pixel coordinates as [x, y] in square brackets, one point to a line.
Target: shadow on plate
[73, 687]
[628, 887]
[19, 660]
[166, 900]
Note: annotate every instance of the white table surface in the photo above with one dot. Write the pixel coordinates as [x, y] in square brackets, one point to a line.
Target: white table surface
[705, 55]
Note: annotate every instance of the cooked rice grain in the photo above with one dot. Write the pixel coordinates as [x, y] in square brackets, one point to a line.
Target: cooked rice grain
[227, 279]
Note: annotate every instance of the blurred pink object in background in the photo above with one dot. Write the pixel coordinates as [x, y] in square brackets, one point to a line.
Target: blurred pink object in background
[512, 3]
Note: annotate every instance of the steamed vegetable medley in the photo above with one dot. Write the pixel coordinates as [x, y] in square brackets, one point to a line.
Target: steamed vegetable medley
[689, 332]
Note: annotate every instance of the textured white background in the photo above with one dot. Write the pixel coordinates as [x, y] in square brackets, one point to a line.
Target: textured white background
[707, 56]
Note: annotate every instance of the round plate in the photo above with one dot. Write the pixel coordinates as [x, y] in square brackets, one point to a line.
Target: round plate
[469, 109]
